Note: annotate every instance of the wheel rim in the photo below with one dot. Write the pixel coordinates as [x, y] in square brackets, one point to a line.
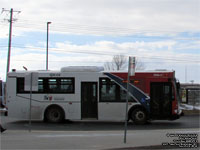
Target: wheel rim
[54, 115]
[140, 116]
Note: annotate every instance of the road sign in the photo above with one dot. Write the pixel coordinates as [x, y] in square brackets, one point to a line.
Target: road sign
[31, 81]
[132, 66]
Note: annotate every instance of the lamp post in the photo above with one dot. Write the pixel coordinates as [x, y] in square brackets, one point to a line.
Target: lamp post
[47, 45]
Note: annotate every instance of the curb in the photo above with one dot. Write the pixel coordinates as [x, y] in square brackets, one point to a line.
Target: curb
[153, 147]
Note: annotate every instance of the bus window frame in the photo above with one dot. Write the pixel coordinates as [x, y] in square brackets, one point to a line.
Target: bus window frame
[46, 90]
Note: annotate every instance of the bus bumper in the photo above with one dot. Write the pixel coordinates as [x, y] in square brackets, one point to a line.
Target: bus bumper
[177, 115]
[3, 111]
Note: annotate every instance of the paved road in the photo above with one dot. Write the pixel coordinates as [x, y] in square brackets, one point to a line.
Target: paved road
[96, 135]
[185, 122]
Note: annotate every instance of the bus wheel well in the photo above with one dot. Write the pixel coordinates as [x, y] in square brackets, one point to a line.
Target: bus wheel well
[141, 111]
[54, 114]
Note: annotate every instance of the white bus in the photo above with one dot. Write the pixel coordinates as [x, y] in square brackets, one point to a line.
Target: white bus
[73, 93]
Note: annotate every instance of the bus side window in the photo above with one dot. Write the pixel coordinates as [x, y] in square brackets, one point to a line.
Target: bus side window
[40, 85]
[49, 85]
[107, 90]
[60, 85]
[111, 92]
[67, 85]
[53, 86]
[20, 85]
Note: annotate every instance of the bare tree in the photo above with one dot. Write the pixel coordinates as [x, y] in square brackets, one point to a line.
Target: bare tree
[139, 65]
[120, 62]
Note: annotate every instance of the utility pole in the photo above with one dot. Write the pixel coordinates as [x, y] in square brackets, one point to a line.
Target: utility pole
[47, 52]
[10, 37]
[9, 40]
[186, 74]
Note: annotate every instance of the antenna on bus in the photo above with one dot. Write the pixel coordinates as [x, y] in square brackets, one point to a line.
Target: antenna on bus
[25, 68]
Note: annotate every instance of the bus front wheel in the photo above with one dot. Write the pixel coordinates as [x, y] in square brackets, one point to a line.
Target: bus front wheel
[139, 116]
[54, 114]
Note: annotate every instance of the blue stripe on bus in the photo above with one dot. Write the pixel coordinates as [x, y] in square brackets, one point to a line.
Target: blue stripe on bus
[134, 92]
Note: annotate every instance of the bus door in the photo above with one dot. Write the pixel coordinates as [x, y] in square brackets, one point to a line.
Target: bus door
[89, 100]
[161, 100]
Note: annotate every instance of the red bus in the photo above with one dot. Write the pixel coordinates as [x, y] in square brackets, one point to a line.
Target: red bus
[164, 95]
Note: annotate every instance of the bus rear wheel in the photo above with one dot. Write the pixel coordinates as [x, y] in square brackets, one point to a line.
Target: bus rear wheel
[139, 116]
[54, 114]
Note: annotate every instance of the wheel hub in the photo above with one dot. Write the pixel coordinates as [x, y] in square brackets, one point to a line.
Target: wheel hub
[139, 115]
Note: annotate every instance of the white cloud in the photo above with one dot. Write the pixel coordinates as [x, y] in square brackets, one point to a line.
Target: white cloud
[108, 16]
[67, 54]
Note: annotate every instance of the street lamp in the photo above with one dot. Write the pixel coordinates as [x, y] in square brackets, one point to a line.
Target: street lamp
[47, 44]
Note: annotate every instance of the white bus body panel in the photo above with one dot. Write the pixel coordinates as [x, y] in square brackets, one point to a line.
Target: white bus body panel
[112, 111]
[19, 104]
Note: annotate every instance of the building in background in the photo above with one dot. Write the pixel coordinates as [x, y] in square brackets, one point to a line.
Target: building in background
[190, 93]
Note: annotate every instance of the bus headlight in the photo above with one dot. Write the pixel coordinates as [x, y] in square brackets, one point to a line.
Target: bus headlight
[176, 111]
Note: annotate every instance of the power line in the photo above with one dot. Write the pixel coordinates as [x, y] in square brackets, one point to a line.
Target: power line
[41, 49]
[139, 35]
[190, 60]
[97, 27]
[40, 60]
[76, 28]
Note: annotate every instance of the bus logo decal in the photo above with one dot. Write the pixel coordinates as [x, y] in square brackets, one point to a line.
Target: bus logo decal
[46, 97]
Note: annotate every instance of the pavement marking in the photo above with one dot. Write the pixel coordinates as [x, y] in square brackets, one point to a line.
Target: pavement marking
[79, 135]
[198, 131]
[53, 135]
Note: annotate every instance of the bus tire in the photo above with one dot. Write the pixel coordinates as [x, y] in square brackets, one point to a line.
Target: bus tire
[54, 114]
[139, 116]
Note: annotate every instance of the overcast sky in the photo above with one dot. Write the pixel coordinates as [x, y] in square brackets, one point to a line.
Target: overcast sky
[163, 34]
